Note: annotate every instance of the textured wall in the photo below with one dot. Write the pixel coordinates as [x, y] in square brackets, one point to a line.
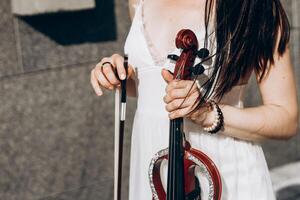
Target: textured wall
[56, 136]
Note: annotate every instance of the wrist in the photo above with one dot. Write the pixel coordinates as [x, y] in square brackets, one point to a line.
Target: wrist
[209, 119]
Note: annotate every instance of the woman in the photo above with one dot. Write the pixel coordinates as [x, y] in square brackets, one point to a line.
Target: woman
[246, 36]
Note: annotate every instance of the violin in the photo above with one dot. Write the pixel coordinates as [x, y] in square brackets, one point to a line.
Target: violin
[182, 183]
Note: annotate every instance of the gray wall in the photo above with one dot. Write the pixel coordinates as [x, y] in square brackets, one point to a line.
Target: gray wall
[56, 136]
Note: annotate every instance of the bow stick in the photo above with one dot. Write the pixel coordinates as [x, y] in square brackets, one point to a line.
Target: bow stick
[120, 105]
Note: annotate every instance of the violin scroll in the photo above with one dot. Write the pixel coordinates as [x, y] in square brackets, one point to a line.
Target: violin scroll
[186, 40]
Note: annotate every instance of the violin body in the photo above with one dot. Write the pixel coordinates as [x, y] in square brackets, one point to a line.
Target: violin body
[192, 159]
[182, 158]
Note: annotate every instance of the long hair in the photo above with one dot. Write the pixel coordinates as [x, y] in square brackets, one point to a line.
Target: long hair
[248, 34]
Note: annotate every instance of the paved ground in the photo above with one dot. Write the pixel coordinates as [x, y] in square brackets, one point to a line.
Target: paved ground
[286, 181]
[292, 193]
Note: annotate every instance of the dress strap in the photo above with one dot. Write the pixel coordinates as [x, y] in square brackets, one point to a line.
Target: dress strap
[137, 4]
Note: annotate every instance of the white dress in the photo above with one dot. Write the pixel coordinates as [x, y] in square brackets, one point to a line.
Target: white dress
[242, 164]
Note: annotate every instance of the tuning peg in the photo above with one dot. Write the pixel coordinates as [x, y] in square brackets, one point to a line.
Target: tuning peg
[203, 53]
[197, 69]
[173, 57]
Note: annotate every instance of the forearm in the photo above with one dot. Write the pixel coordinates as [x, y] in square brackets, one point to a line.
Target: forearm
[258, 123]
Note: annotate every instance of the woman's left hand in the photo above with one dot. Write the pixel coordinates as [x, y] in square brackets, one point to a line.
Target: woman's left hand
[176, 92]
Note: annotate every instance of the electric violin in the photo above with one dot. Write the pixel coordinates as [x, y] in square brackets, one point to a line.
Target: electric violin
[182, 183]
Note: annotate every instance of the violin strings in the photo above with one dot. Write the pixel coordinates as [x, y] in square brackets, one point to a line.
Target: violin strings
[213, 76]
[207, 18]
[213, 79]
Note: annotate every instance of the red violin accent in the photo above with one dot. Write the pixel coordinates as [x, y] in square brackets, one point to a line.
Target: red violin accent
[182, 158]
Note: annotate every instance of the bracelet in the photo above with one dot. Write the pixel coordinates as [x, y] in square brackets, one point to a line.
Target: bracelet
[219, 119]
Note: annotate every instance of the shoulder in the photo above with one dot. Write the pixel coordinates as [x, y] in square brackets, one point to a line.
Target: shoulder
[132, 5]
[133, 1]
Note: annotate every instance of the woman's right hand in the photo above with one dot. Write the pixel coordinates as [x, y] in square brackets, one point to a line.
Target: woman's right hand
[104, 76]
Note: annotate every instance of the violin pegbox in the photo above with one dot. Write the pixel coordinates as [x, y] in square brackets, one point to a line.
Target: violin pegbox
[187, 41]
[173, 57]
[203, 55]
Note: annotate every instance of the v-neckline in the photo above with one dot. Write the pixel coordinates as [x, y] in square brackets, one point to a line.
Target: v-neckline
[156, 57]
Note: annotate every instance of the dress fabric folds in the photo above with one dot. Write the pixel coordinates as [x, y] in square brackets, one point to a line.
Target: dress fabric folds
[242, 165]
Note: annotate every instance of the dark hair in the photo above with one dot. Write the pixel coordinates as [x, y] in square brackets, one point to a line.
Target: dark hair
[248, 33]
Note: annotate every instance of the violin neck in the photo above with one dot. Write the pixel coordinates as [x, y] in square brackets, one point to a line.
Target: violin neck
[175, 190]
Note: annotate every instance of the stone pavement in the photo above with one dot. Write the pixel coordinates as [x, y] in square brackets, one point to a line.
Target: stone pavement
[286, 181]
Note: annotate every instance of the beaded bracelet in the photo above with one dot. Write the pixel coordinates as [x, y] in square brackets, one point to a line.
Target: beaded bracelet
[219, 119]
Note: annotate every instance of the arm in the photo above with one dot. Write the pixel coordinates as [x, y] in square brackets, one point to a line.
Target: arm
[131, 4]
[277, 118]
[106, 77]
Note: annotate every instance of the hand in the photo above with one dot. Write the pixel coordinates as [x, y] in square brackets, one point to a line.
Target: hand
[105, 75]
[176, 91]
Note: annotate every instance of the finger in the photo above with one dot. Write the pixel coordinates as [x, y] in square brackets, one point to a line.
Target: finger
[95, 84]
[110, 75]
[167, 75]
[180, 103]
[178, 113]
[175, 84]
[181, 84]
[174, 94]
[185, 112]
[103, 60]
[118, 62]
[179, 94]
[130, 71]
[102, 79]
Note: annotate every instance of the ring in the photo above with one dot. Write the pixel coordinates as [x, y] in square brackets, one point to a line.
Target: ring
[105, 64]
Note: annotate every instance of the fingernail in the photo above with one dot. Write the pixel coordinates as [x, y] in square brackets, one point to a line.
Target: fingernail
[111, 87]
[99, 92]
[123, 76]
